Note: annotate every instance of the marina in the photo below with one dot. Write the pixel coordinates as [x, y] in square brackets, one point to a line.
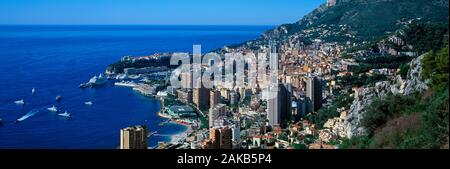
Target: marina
[95, 81]
[125, 84]
[66, 60]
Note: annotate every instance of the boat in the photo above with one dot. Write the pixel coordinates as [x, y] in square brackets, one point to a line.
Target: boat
[19, 101]
[88, 103]
[121, 77]
[65, 114]
[58, 98]
[52, 109]
[33, 91]
[1, 121]
[95, 81]
[125, 84]
[84, 85]
[28, 115]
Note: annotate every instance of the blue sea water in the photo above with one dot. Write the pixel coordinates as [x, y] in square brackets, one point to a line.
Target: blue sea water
[56, 59]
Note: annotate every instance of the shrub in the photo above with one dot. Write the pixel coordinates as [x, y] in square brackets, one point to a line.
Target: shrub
[435, 67]
[404, 68]
[357, 142]
[383, 109]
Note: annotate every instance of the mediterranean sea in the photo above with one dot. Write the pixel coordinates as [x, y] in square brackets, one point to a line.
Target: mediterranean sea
[56, 59]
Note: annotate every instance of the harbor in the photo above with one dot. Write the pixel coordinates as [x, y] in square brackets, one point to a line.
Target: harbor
[65, 61]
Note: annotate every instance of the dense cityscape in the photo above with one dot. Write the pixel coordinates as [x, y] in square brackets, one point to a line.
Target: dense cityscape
[329, 76]
[350, 74]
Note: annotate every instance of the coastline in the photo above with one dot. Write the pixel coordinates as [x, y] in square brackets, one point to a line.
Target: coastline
[78, 60]
[177, 138]
[174, 138]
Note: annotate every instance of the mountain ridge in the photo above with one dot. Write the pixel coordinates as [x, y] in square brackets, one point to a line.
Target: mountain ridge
[365, 20]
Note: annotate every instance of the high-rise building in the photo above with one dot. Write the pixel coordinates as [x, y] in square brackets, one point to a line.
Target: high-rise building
[313, 94]
[234, 98]
[214, 98]
[200, 96]
[220, 137]
[133, 137]
[236, 133]
[280, 105]
[186, 80]
[215, 113]
[185, 95]
[225, 93]
[301, 106]
[244, 94]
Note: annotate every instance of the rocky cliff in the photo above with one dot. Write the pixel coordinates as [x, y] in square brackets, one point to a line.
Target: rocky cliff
[349, 126]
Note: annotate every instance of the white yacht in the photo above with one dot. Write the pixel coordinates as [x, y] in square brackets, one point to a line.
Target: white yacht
[33, 91]
[88, 103]
[19, 101]
[125, 84]
[65, 114]
[53, 109]
[95, 81]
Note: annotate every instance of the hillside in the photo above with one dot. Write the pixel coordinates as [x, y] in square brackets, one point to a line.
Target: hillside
[409, 110]
[356, 20]
[410, 113]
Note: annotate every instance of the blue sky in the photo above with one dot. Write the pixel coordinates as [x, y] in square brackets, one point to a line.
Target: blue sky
[153, 12]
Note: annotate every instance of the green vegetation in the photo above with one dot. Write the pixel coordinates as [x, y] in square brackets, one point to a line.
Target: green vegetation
[360, 17]
[384, 59]
[359, 142]
[405, 122]
[435, 67]
[170, 100]
[426, 37]
[321, 117]
[359, 81]
[414, 121]
[204, 122]
[283, 136]
[299, 146]
[436, 122]
[381, 110]
[404, 68]
[309, 139]
[343, 101]
[325, 113]
[379, 62]
[119, 66]
[365, 46]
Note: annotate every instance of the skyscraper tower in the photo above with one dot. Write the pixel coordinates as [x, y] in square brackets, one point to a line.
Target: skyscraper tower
[313, 94]
[280, 106]
[214, 98]
[201, 96]
[220, 137]
[133, 137]
[215, 113]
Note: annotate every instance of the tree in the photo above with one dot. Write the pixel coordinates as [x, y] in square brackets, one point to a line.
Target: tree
[383, 109]
[435, 67]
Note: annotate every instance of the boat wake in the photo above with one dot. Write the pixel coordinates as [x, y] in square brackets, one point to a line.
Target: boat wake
[28, 115]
